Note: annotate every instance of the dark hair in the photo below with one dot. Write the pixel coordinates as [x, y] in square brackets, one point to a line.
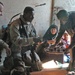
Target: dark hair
[1, 3]
[62, 13]
[28, 9]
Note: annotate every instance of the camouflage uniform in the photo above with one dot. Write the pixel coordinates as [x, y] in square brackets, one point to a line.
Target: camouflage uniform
[19, 40]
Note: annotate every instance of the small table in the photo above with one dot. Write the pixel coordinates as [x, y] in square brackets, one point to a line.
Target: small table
[57, 56]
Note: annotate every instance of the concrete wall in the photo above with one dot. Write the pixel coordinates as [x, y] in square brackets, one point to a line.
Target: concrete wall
[42, 13]
[68, 5]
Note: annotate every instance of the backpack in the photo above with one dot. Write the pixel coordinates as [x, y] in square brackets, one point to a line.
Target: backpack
[8, 39]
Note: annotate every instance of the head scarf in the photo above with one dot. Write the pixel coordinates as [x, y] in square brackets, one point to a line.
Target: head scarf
[48, 35]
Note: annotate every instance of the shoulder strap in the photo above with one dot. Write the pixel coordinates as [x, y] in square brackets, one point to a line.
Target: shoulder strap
[22, 29]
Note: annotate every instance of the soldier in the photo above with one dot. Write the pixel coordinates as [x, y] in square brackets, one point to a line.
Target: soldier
[22, 31]
[67, 23]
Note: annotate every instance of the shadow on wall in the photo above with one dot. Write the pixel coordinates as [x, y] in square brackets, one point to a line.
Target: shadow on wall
[41, 33]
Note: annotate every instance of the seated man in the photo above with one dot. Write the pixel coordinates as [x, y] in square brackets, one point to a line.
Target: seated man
[22, 33]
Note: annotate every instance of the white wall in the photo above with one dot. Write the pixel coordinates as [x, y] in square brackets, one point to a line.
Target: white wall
[69, 5]
[42, 13]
